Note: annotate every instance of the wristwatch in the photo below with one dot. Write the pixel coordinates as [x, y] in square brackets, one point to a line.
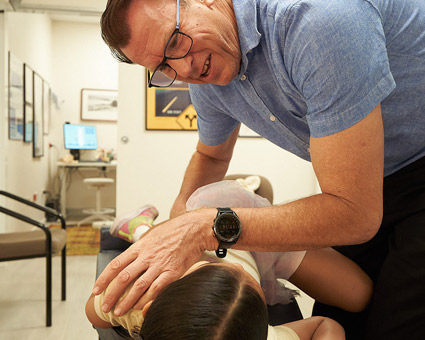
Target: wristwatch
[227, 228]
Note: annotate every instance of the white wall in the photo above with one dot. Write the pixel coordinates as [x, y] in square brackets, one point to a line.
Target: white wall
[3, 108]
[80, 59]
[69, 56]
[152, 163]
[28, 38]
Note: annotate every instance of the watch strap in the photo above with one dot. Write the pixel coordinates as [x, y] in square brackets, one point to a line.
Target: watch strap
[225, 210]
[221, 252]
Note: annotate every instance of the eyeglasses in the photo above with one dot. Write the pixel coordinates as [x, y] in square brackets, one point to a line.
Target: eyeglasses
[178, 47]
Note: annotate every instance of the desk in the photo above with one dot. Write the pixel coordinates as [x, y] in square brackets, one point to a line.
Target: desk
[65, 168]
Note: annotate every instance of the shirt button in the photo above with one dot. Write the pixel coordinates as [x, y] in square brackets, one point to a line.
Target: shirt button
[243, 77]
[272, 118]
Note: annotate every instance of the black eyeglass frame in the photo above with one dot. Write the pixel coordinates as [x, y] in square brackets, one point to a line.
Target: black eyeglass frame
[163, 62]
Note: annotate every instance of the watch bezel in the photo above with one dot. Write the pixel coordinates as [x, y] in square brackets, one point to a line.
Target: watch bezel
[216, 227]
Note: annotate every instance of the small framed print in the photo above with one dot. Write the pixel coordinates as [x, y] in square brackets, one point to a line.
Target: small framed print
[28, 100]
[16, 98]
[46, 107]
[99, 105]
[37, 126]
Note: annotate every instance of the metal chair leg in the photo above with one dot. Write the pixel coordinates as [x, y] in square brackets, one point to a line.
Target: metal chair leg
[63, 279]
[49, 289]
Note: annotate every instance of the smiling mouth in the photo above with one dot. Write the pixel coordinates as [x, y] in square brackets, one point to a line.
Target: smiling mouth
[206, 69]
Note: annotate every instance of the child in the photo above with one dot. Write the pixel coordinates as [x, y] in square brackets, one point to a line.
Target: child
[223, 298]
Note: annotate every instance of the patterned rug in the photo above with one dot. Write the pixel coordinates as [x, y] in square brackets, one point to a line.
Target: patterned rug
[83, 240]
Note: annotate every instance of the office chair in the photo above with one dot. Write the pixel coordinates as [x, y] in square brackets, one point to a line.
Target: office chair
[98, 213]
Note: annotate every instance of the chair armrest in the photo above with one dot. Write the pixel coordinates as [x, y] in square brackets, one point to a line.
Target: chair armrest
[33, 222]
[48, 210]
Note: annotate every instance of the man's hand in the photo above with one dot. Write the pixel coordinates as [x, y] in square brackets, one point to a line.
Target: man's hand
[158, 258]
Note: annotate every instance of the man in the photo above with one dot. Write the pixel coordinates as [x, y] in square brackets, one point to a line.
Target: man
[340, 83]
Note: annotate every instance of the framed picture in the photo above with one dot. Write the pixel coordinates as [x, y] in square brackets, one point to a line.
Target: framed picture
[28, 100]
[37, 126]
[46, 107]
[99, 104]
[170, 108]
[16, 98]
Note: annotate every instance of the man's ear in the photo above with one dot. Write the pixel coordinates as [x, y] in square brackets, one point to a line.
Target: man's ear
[146, 307]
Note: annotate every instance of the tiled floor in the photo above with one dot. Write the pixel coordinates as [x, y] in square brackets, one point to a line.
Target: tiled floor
[22, 300]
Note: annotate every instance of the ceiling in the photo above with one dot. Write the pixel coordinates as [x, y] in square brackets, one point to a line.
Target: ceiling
[78, 9]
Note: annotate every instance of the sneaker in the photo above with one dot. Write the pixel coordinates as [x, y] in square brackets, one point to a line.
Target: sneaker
[133, 225]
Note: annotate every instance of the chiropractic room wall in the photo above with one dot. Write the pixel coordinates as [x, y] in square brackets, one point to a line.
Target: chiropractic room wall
[84, 61]
[28, 38]
[72, 56]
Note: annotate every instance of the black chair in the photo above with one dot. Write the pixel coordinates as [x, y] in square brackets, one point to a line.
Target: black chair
[42, 242]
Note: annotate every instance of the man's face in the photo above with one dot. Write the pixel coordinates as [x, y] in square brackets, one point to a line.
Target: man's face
[215, 54]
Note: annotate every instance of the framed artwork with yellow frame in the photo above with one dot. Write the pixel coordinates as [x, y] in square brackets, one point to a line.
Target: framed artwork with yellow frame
[170, 108]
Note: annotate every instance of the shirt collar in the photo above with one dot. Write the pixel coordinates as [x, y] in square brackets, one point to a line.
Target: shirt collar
[249, 37]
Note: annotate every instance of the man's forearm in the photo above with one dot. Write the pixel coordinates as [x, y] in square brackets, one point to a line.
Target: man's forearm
[202, 170]
[209, 164]
[308, 223]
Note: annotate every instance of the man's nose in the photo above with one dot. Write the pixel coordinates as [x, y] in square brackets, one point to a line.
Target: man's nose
[182, 66]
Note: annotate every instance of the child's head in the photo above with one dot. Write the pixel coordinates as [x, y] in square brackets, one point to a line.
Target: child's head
[213, 302]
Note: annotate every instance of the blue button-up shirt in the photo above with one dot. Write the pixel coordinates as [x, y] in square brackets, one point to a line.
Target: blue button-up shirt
[316, 67]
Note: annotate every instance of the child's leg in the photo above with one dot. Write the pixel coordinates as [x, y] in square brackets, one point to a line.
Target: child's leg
[133, 225]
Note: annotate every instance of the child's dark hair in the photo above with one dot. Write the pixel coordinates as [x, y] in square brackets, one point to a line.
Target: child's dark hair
[212, 303]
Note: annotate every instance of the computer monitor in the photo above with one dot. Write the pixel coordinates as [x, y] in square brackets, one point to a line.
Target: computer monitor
[79, 137]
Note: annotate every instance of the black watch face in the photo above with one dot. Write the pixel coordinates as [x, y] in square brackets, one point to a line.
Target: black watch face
[228, 227]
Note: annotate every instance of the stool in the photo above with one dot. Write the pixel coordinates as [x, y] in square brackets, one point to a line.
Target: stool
[98, 213]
